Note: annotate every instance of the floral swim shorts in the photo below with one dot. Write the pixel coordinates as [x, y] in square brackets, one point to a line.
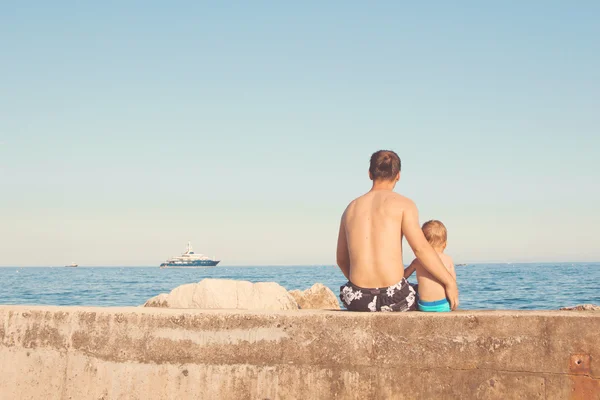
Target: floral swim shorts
[398, 297]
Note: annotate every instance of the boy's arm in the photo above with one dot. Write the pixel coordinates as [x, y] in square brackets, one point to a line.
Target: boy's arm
[426, 255]
[411, 268]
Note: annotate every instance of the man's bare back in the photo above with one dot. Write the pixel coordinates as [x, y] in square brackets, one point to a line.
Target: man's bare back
[372, 226]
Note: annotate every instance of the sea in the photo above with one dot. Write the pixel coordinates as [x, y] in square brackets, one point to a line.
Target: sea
[532, 286]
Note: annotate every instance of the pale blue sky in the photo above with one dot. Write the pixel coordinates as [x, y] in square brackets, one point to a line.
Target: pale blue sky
[128, 129]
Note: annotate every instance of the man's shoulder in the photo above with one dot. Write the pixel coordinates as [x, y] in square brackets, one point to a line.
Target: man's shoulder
[390, 200]
[399, 197]
[353, 203]
[359, 200]
[398, 201]
[349, 208]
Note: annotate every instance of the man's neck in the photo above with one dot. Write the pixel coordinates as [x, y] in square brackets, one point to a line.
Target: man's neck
[383, 185]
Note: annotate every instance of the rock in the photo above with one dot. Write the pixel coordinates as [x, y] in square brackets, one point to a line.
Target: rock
[318, 296]
[226, 293]
[158, 301]
[583, 307]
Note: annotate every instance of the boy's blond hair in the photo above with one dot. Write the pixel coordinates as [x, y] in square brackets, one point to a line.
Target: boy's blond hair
[435, 232]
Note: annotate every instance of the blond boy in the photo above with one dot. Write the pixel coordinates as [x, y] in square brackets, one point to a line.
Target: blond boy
[432, 296]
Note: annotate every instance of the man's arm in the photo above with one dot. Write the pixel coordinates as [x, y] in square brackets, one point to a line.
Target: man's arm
[451, 268]
[425, 253]
[410, 269]
[343, 257]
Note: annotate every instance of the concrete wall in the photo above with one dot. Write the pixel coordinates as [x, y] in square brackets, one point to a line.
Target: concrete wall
[141, 353]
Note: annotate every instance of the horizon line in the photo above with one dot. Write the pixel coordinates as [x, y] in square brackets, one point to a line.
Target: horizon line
[296, 265]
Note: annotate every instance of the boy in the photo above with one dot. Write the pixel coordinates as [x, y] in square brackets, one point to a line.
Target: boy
[432, 296]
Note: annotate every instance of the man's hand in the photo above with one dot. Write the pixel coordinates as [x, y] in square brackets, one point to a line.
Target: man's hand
[452, 294]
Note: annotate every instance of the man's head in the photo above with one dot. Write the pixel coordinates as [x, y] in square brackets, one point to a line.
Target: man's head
[435, 233]
[385, 166]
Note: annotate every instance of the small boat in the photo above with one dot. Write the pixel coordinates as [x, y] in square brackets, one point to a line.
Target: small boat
[72, 265]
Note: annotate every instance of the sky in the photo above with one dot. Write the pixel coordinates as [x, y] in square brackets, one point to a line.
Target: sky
[128, 129]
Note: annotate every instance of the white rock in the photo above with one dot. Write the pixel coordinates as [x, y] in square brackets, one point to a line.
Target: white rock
[583, 307]
[158, 301]
[232, 294]
[318, 296]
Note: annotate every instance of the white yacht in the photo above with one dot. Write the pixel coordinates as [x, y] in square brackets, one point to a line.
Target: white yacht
[189, 259]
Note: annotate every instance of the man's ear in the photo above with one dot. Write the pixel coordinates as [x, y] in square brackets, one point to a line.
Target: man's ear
[370, 176]
[398, 177]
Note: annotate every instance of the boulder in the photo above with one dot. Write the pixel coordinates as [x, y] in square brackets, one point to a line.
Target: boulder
[158, 301]
[227, 293]
[318, 296]
[583, 307]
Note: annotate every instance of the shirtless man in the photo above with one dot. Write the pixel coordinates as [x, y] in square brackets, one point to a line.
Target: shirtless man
[369, 250]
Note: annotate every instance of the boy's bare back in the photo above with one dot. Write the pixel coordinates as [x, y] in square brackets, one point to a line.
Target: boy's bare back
[429, 288]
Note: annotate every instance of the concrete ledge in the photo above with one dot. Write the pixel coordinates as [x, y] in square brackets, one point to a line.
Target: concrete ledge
[145, 353]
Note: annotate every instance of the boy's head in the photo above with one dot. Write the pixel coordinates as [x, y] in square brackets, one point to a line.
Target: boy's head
[435, 233]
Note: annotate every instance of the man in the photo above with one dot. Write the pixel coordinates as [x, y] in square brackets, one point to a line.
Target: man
[369, 250]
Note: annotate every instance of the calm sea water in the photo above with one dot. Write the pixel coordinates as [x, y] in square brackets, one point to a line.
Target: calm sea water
[482, 286]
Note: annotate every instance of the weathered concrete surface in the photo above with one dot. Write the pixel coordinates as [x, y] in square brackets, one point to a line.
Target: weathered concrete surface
[317, 297]
[226, 294]
[158, 353]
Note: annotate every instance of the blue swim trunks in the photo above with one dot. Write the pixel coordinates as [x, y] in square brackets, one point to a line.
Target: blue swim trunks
[434, 306]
